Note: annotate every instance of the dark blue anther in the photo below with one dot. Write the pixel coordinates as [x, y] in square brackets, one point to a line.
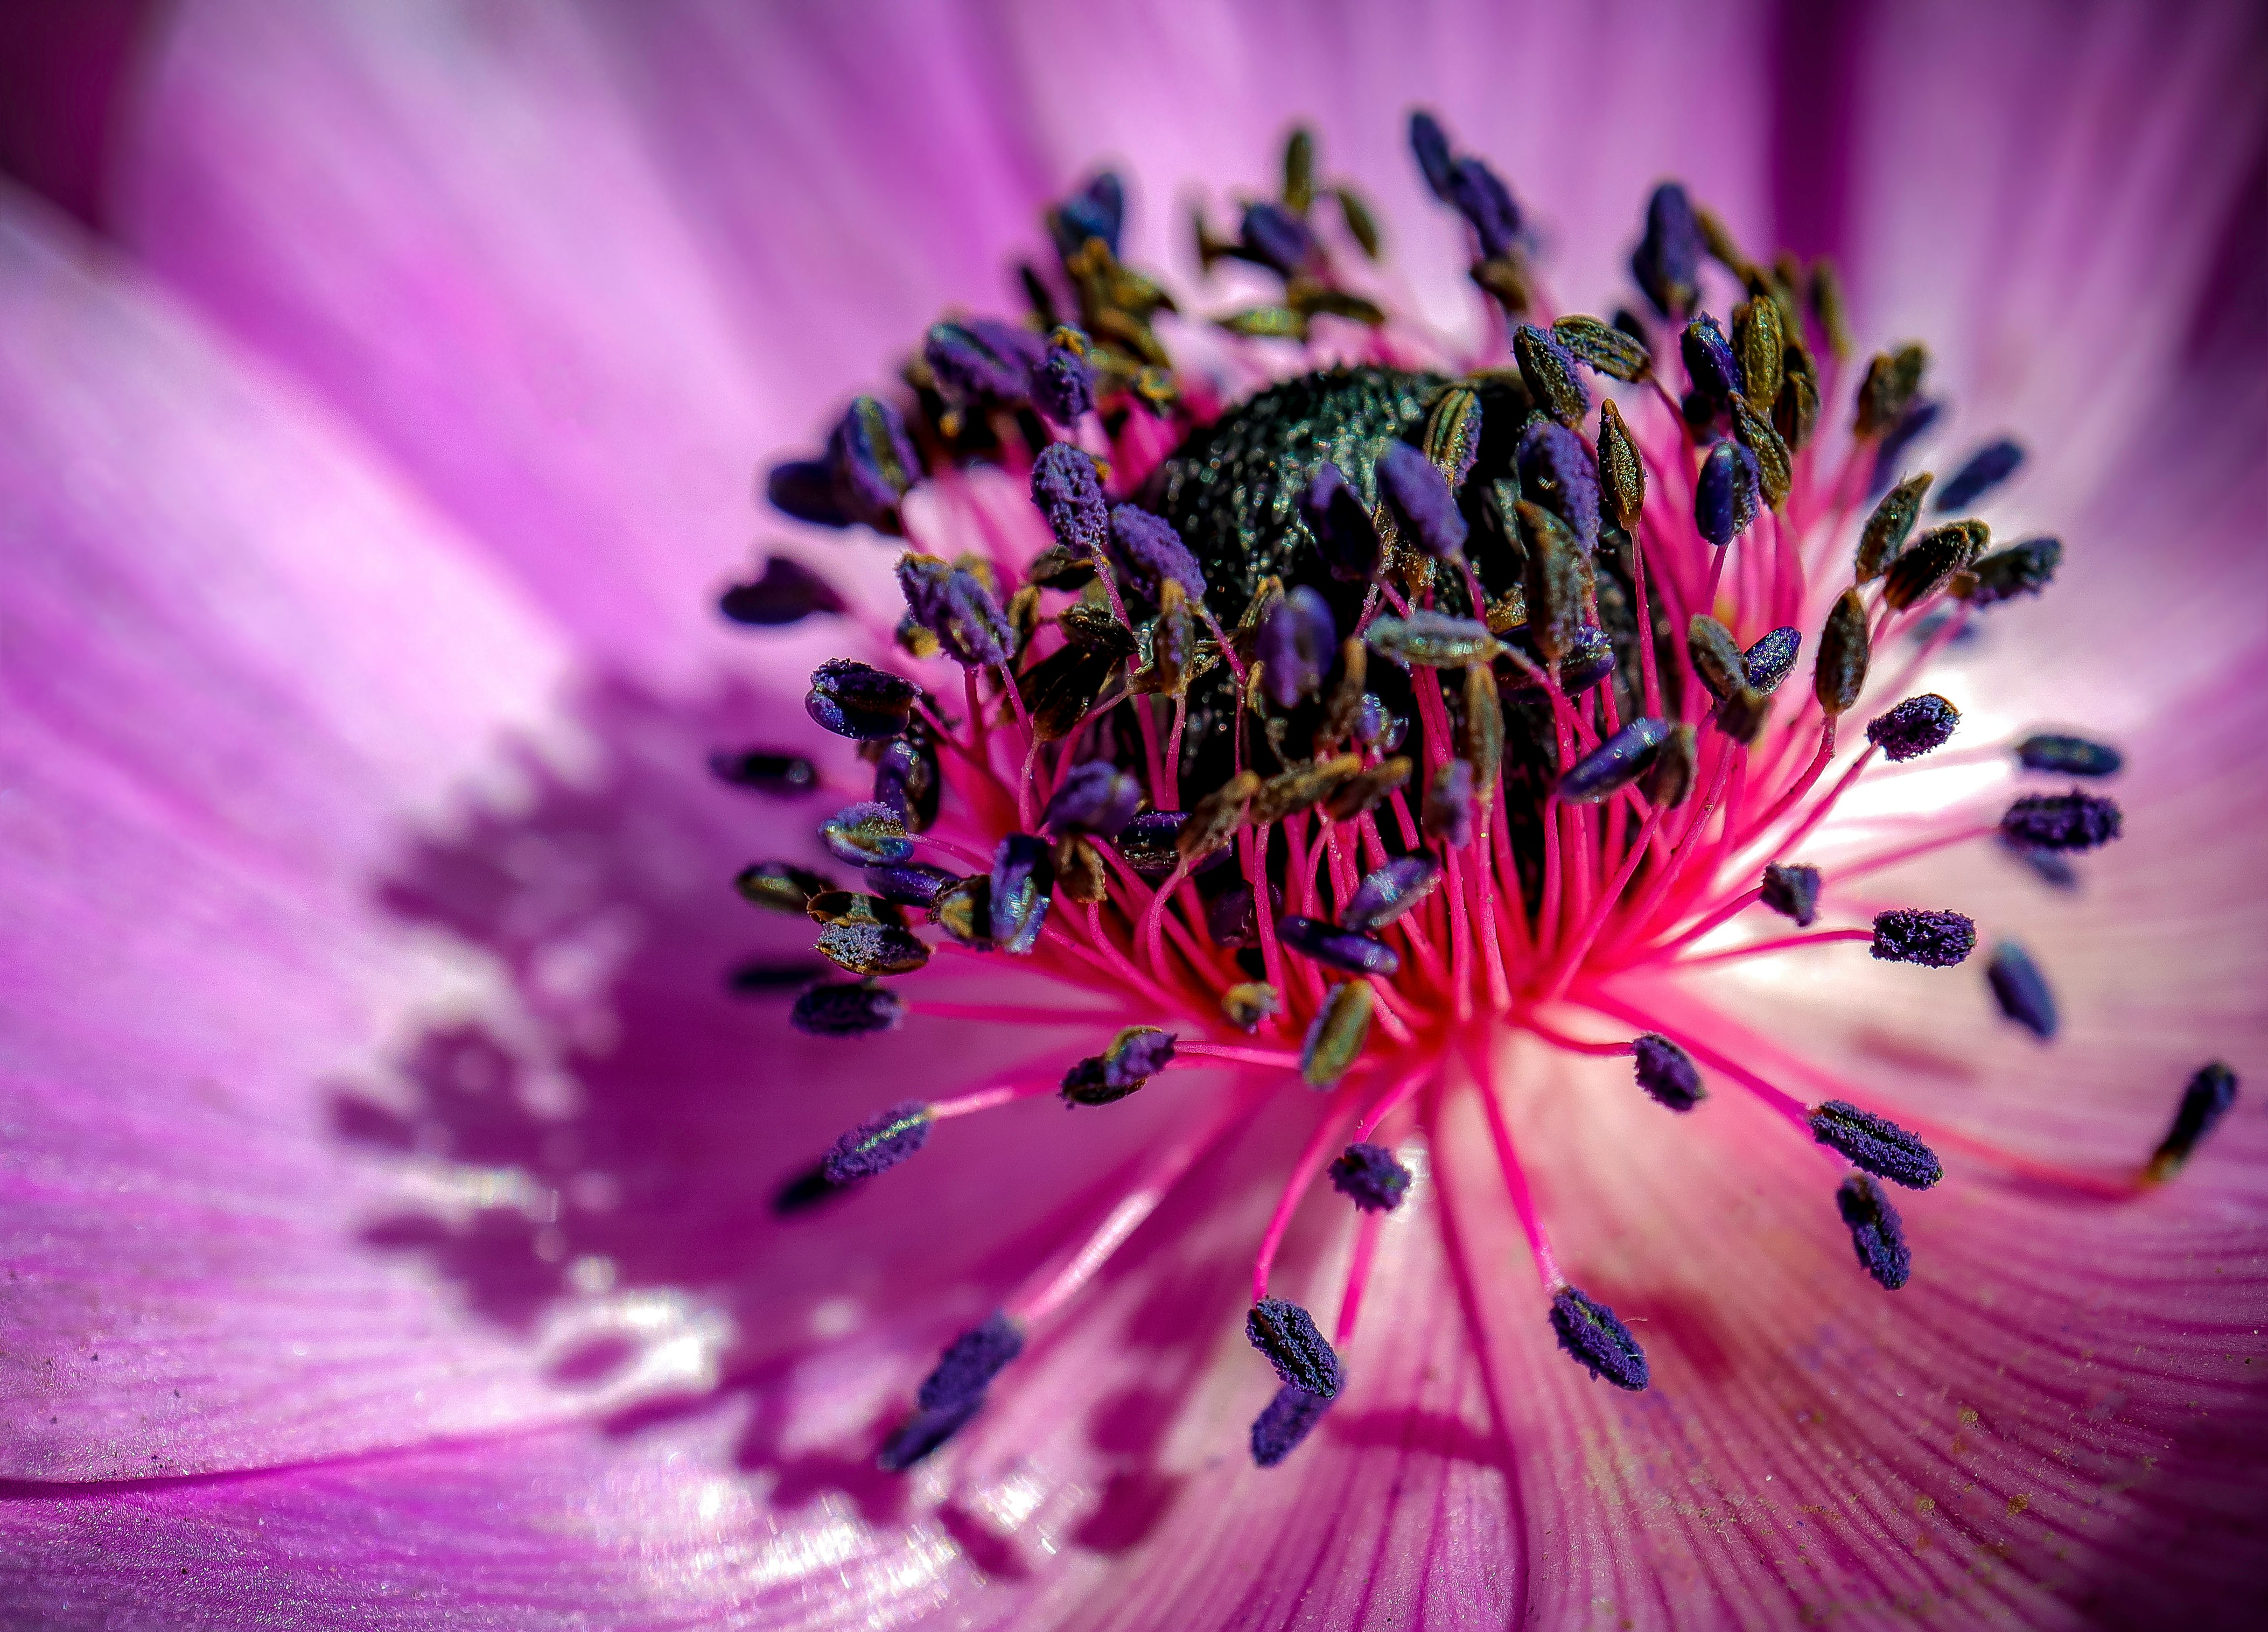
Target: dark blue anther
[2021, 990]
[1772, 659]
[1276, 237]
[1557, 472]
[1589, 1331]
[1368, 1176]
[1889, 453]
[1062, 385]
[1447, 812]
[847, 1008]
[2061, 821]
[910, 883]
[1614, 764]
[1341, 949]
[1284, 1423]
[1709, 361]
[1588, 659]
[1344, 534]
[953, 1393]
[953, 604]
[1987, 468]
[1482, 198]
[1729, 493]
[1876, 1234]
[877, 1144]
[2204, 1101]
[1377, 726]
[1667, 262]
[873, 462]
[1424, 510]
[1431, 145]
[1153, 552]
[1914, 727]
[2024, 568]
[1135, 1056]
[1069, 494]
[1875, 1143]
[779, 774]
[906, 780]
[805, 489]
[2073, 756]
[858, 701]
[982, 360]
[1394, 889]
[788, 592]
[867, 835]
[1938, 940]
[1149, 845]
[1298, 641]
[1793, 892]
[1230, 920]
[1096, 210]
[1666, 1072]
[1095, 797]
[1286, 1333]
[1023, 874]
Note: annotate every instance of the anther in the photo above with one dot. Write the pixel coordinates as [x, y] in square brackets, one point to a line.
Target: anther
[1095, 797]
[1793, 892]
[1760, 343]
[982, 360]
[1153, 552]
[877, 1144]
[787, 591]
[1603, 347]
[1286, 1333]
[1670, 778]
[1429, 143]
[847, 1008]
[1937, 940]
[1875, 1143]
[906, 779]
[952, 1394]
[872, 949]
[781, 886]
[1336, 1034]
[1062, 385]
[1876, 1233]
[1601, 1343]
[2025, 568]
[1548, 368]
[1134, 1057]
[2072, 756]
[1892, 379]
[909, 884]
[1023, 874]
[1931, 561]
[1447, 814]
[1480, 196]
[760, 976]
[1096, 210]
[1368, 1176]
[1285, 1421]
[1344, 534]
[1913, 727]
[1622, 472]
[779, 774]
[1710, 362]
[869, 467]
[1666, 1072]
[1297, 642]
[1589, 659]
[867, 835]
[1347, 950]
[1772, 659]
[1250, 1004]
[1887, 529]
[1394, 889]
[1890, 452]
[858, 701]
[1069, 493]
[1150, 844]
[953, 604]
[1431, 639]
[1839, 674]
[1614, 764]
[2204, 1101]
[1718, 661]
[1987, 468]
[1557, 472]
[2021, 990]
[2061, 821]
[1728, 494]
[1215, 820]
[1667, 262]
[1424, 512]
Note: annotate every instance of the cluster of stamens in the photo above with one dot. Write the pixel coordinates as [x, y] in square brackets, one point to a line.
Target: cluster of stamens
[1325, 737]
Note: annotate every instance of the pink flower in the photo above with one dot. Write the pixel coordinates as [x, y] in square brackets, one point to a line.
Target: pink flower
[389, 1182]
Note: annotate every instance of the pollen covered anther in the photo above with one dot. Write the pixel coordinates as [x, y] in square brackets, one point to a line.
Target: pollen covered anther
[953, 1393]
[1286, 1333]
[1876, 1144]
[1914, 727]
[1666, 1072]
[1346, 949]
[2206, 1100]
[1937, 940]
[2061, 821]
[2070, 756]
[1286, 1420]
[847, 1008]
[1369, 1176]
[877, 1144]
[1792, 890]
[1591, 1331]
[1134, 1057]
[1877, 1234]
[2021, 990]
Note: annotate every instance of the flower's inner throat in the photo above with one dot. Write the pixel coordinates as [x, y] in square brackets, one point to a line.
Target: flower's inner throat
[1346, 699]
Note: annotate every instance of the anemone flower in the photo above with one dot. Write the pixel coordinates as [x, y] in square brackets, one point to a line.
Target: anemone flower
[1496, 866]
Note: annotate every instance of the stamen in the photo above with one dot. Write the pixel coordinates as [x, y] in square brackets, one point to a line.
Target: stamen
[2025, 568]
[1938, 940]
[1666, 1072]
[1622, 472]
[1335, 1036]
[781, 775]
[1839, 674]
[1876, 1232]
[847, 1008]
[1729, 493]
[1095, 798]
[2061, 821]
[1875, 1143]
[783, 887]
[1424, 512]
[2072, 756]
[1987, 468]
[982, 361]
[1297, 642]
[1667, 262]
[1603, 348]
[1302, 1356]
[1448, 810]
[2204, 1101]
[2021, 990]
[1887, 530]
[1391, 891]
[1793, 892]
[910, 883]
[1023, 874]
[1369, 1176]
[1772, 659]
[1931, 563]
[877, 1144]
[1718, 661]
[868, 835]
[954, 1392]
[858, 700]
[872, 949]
[1914, 727]
[1063, 386]
[1153, 552]
[1557, 471]
[870, 465]
[1486, 204]
[1709, 360]
[1431, 145]
[1614, 764]
[906, 779]
[1601, 1343]
[1284, 1423]
[1548, 369]
[953, 604]
[1069, 493]
[787, 592]
[1344, 532]
[1134, 1057]
[1346, 949]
